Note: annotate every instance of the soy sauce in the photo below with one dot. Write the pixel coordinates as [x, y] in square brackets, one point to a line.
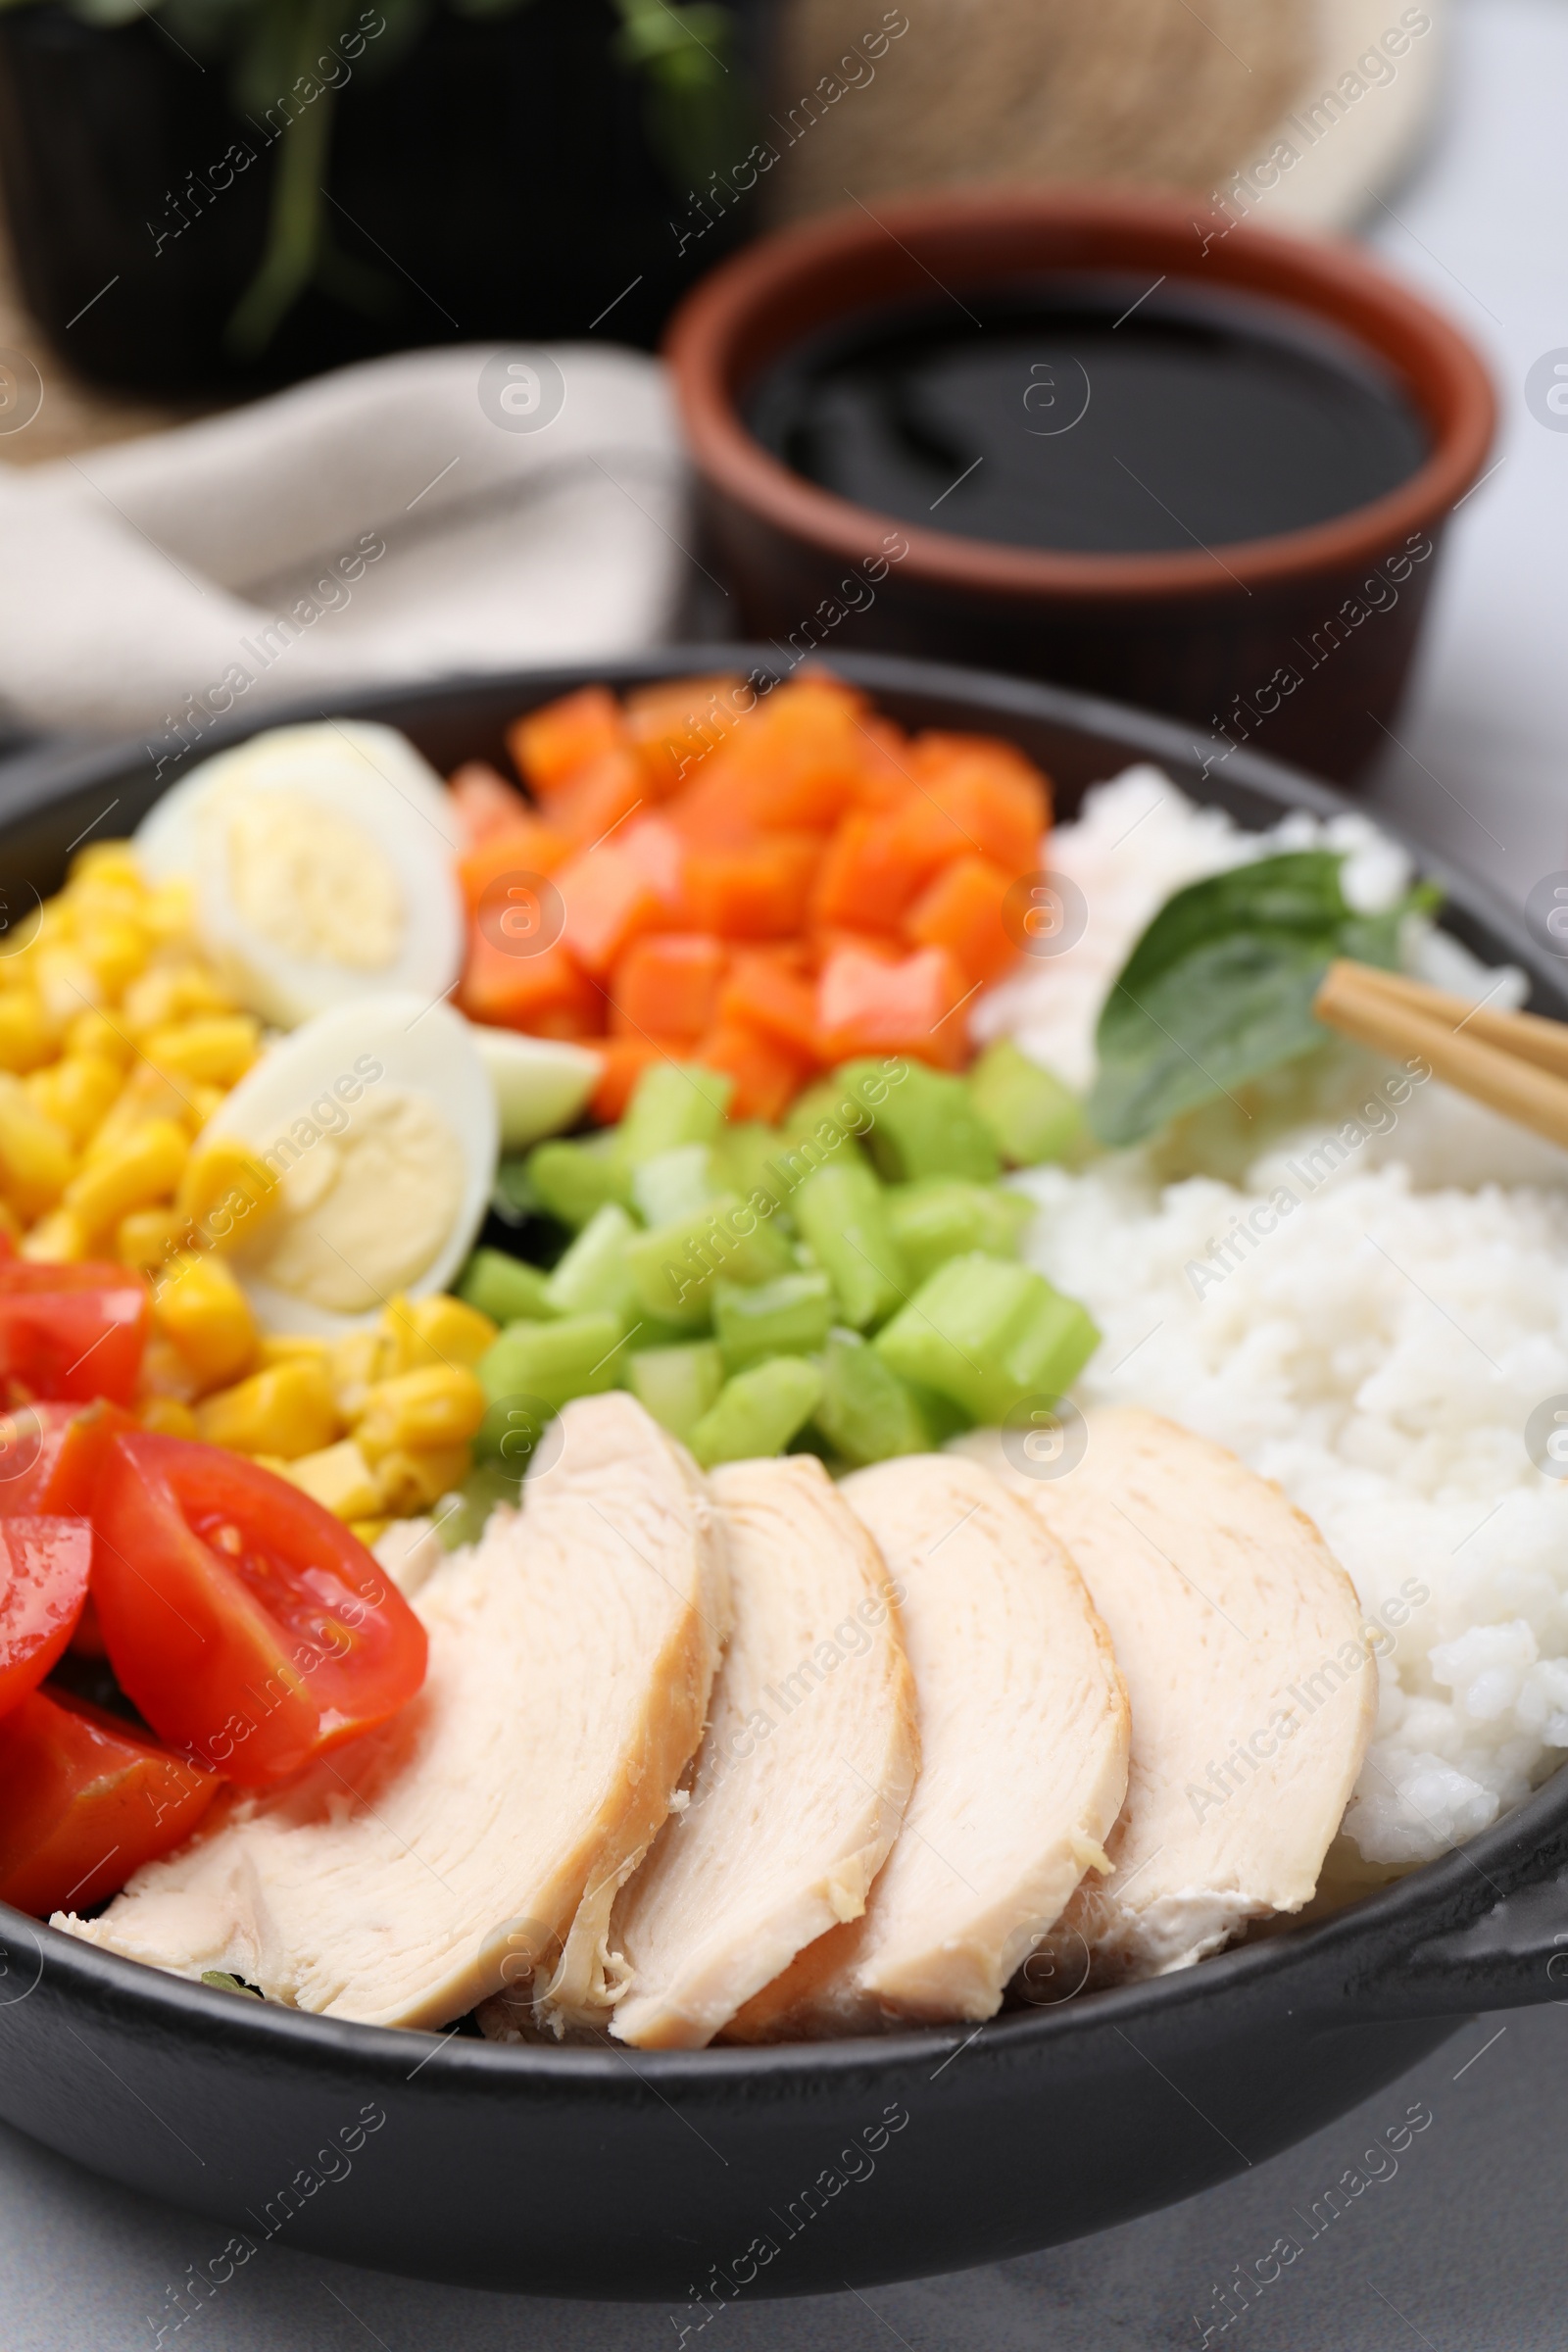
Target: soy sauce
[1071, 415]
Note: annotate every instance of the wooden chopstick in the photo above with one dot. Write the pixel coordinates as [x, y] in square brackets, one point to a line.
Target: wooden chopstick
[1514, 1062]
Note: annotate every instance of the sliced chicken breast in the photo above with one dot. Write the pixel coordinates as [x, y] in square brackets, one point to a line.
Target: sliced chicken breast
[804, 1776]
[1023, 1733]
[1252, 1686]
[480, 1837]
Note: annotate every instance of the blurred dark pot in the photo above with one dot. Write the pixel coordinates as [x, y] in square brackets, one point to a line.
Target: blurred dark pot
[497, 181]
[1209, 635]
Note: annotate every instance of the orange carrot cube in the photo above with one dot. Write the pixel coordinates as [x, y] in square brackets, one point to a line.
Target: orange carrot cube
[767, 1075]
[551, 745]
[757, 890]
[598, 798]
[484, 803]
[546, 993]
[760, 993]
[608, 902]
[528, 847]
[865, 1006]
[667, 985]
[962, 910]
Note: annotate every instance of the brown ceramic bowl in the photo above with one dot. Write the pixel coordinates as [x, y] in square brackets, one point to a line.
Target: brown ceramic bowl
[1301, 641]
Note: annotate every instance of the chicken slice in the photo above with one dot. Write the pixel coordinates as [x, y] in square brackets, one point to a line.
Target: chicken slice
[1252, 1685]
[805, 1774]
[482, 1834]
[1023, 1734]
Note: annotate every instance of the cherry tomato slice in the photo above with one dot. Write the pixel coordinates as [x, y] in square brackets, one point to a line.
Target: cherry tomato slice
[247, 1624]
[51, 1454]
[43, 1582]
[69, 1332]
[84, 1800]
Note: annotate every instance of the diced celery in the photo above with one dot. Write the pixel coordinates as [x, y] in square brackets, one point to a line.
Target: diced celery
[842, 1214]
[865, 1411]
[574, 1180]
[673, 1267]
[675, 1103]
[1030, 1114]
[677, 1385]
[578, 1356]
[986, 1334]
[513, 1196]
[757, 1412]
[674, 1183]
[828, 1115]
[788, 1317]
[923, 1122]
[943, 1216]
[592, 1278]
[746, 1160]
[503, 1287]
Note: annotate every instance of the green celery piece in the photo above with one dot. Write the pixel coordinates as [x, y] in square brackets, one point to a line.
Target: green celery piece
[829, 1115]
[987, 1333]
[677, 1385]
[943, 1216]
[759, 1411]
[550, 1362]
[791, 1316]
[486, 1485]
[1031, 1115]
[865, 1411]
[503, 1287]
[923, 1122]
[675, 1183]
[744, 1160]
[673, 1267]
[576, 1179]
[591, 1278]
[675, 1103]
[842, 1214]
[513, 1196]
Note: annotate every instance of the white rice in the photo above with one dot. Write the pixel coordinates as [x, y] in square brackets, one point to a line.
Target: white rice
[1370, 1323]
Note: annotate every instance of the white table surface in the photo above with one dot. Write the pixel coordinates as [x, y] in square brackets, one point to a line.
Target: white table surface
[1463, 2251]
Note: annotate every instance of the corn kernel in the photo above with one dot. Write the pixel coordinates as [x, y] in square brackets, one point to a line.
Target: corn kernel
[368, 1531]
[439, 1405]
[26, 1034]
[410, 1481]
[36, 1155]
[97, 1035]
[172, 991]
[217, 1048]
[201, 1308]
[287, 1410]
[271, 1461]
[76, 1093]
[106, 861]
[227, 1192]
[66, 983]
[170, 912]
[339, 1479]
[165, 1371]
[437, 1330]
[168, 1417]
[143, 1170]
[113, 949]
[150, 1237]
[147, 1094]
[10, 1224]
[57, 1240]
[283, 1347]
[359, 1360]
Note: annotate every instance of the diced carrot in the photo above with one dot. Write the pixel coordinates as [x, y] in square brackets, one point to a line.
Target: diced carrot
[608, 903]
[551, 745]
[759, 994]
[667, 985]
[962, 910]
[673, 727]
[657, 850]
[598, 798]
[978, 795]
[869, 873]
[767, 1075]
[484, 803]
[755, 891]
[526, 848]
[825, 942]
[545, 993]
[866, 1006]
[624, 1061]
[887, 763]
[793, 764]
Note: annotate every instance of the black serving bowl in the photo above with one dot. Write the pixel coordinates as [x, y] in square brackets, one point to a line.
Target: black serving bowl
[700, 2177]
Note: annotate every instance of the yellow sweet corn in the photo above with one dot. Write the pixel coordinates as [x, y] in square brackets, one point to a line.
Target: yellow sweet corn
[358, 1360]
[201, 1308]
[140, 1172]
[147, 1094]
[287, 1410]
[172, 991]
[57, 1240]
[97, 1034]
[36, 1155]
[170, 911]
[165, 1371]
[168, 1416]
[369, 1530]
[113, 949]
[106, 862]
[67, 982]
[10, 1224]
[412, 1481]
[281, 1348]
[227, 1192]
[150, 1237]
[26, 1033]
[76, 1093]
[437, 1330]
[438, 1405]
[339, 1479]
[216, 1049]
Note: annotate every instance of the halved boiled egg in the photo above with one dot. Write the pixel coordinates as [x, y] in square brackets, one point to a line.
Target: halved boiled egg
[379, 1120]
[321, 858]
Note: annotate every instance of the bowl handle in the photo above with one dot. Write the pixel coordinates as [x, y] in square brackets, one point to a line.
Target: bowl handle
[1509, 1956]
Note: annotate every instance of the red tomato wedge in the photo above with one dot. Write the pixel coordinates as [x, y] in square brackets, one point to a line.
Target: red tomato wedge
[43, 1582]
[87, 1800]
[50, 1456]
[69, 1332]
[249, 1625]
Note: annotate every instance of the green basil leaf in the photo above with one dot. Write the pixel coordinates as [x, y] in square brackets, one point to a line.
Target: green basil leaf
[1219, 989]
